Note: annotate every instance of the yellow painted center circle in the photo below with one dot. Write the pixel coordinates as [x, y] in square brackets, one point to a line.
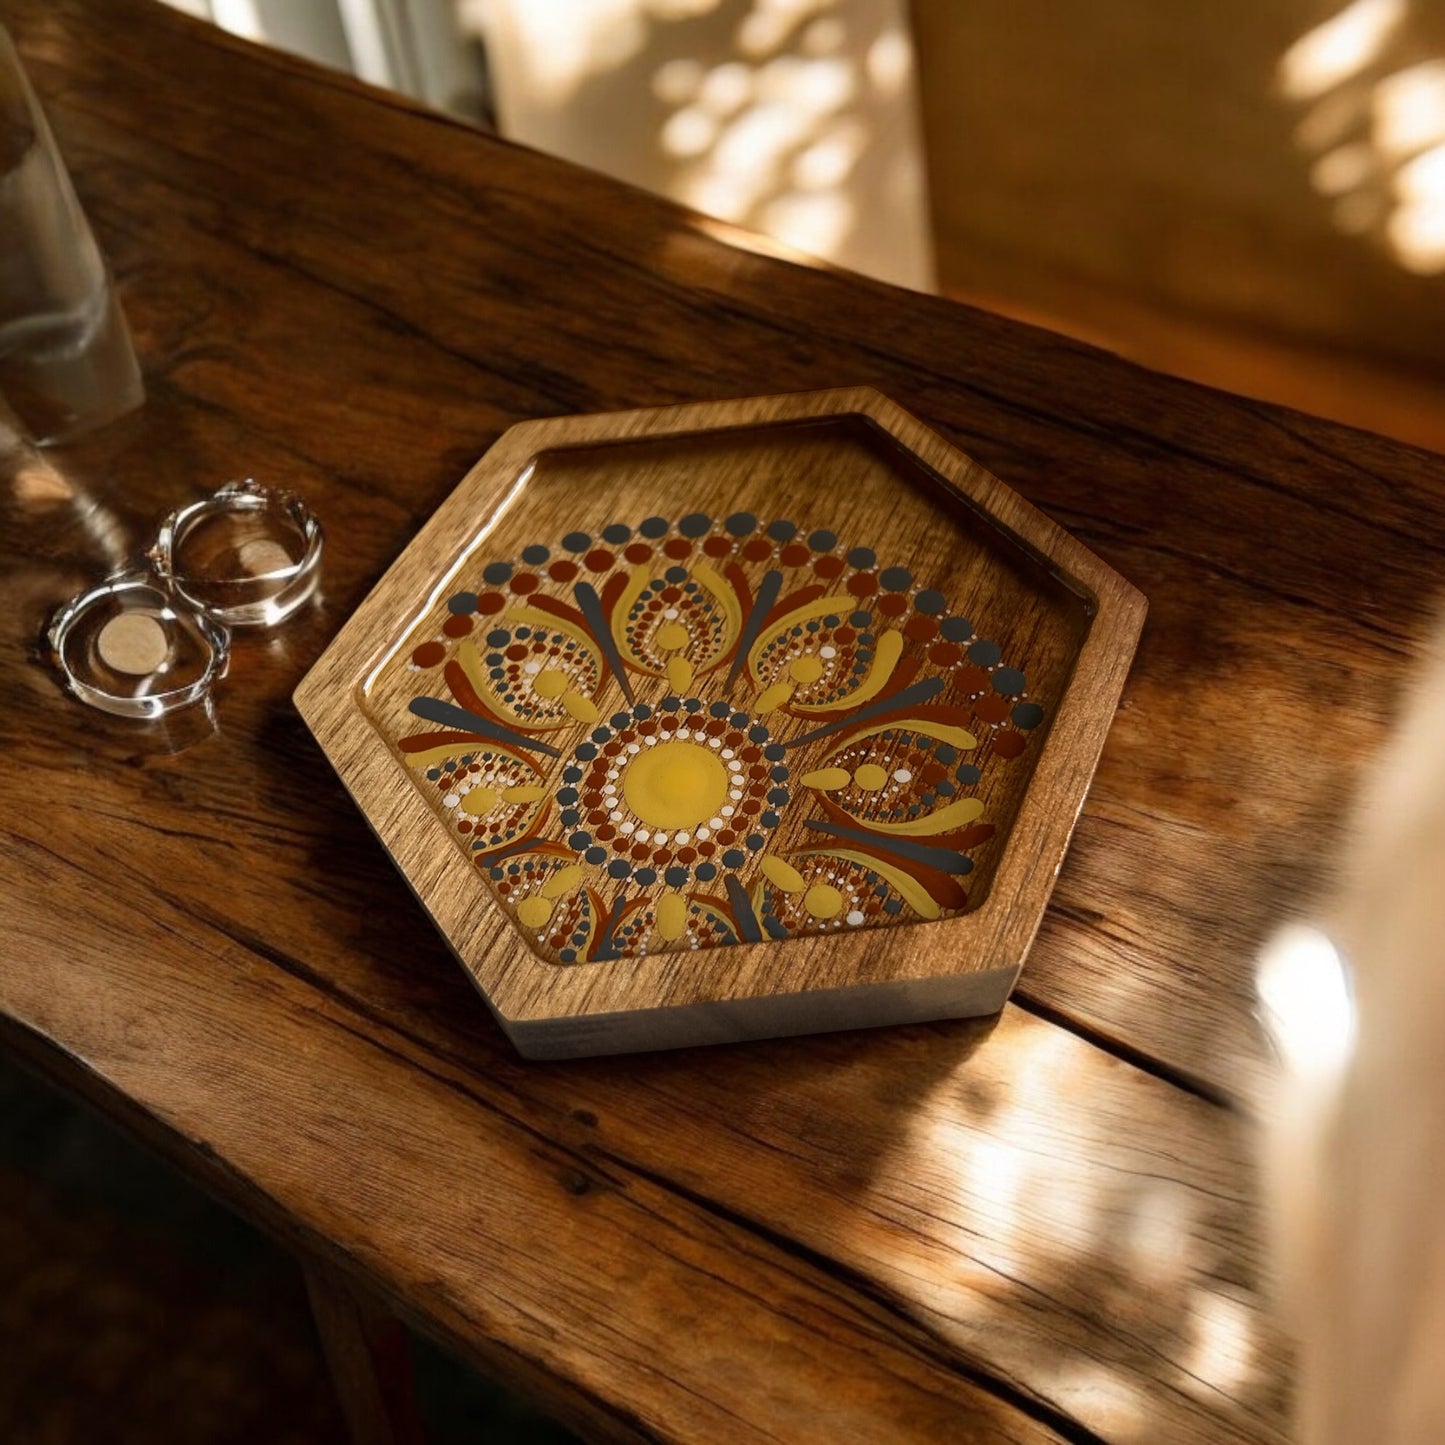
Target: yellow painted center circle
[675, 784]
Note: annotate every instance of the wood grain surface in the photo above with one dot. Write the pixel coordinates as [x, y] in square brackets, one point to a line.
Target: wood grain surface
[854, 467]
[1040, 1229]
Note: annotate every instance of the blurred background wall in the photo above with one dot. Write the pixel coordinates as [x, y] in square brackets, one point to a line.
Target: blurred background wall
[1250, 195]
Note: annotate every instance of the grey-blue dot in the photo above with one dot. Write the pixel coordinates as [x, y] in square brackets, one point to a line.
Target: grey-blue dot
[956, 629]
[740, 524]
[822, 540]
[694, 524]
[1028, 715]
[462, 604]
[782, 531]
[896, 579]
[985, 654]
[535, 555]
[930, 601]
[1009, 681]
[617, 533]
[654, 527]
[862, 558]
[576, 541]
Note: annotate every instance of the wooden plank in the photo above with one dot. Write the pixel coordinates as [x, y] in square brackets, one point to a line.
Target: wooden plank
[952, 1228]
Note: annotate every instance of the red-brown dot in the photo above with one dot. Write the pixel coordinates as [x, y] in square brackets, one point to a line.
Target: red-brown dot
[563, 571]
[517, 651]
[933, 773]
[638, 553]
[677, 547]
[794, 555]
[672, 594]
[862, 584]
[490, 603]
[992, 708]
[604, 832]
[945, 654]
[457, 626]
[843, 635]
[892, 605]
[828, 566]
[429, 654]
[727, 837]
[464, 826]
[687, 855]
[920, 628]
[758, 550]
[751, 753]
[639, 852]
[707, 849]
[717, 546]
[662, 856]
[523, 583]
[1009, 745]
[558, 940]
[599, 560]
[972, 679]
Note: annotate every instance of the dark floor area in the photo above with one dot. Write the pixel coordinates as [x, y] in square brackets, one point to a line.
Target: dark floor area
[133, 1309]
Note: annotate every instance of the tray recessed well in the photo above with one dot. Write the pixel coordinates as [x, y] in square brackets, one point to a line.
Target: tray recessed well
[729, 720]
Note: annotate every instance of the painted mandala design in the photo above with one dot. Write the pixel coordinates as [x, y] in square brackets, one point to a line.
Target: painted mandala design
[703, 732]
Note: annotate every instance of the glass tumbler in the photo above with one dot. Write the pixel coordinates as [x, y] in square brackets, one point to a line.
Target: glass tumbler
[66, 361]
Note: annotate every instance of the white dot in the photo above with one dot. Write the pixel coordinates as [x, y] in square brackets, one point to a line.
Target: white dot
[643, 835]
[736, 795]
[727, 810]
[855, 918]
[671, 614]
[715, 822]
[679, 837]
[627, 828]
[735, 766]
[632, 748]
[902, 775]
[451, 800]
[714, 742]
[703, 832]
[533, 666]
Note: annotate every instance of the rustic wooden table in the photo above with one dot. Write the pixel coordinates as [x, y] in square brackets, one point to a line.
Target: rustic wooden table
[1039, 1227]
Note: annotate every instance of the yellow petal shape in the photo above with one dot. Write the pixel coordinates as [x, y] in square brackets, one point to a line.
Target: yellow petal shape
[679, 674]
[534, 912]
[822, 900]
[806, 668]
[940, 732]
[521, 795]
[478, 801]
[941, 820]
[870, 777]
[582, 708]
[670, 636]
[550, 683]
[784, 875]
[671, 916]
[774, 696]
[827, 780]
[564, 880]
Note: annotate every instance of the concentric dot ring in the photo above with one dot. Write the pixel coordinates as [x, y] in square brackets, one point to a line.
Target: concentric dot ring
[687, 790]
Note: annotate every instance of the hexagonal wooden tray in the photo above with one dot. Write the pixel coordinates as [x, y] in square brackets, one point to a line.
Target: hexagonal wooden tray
[729, 720]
